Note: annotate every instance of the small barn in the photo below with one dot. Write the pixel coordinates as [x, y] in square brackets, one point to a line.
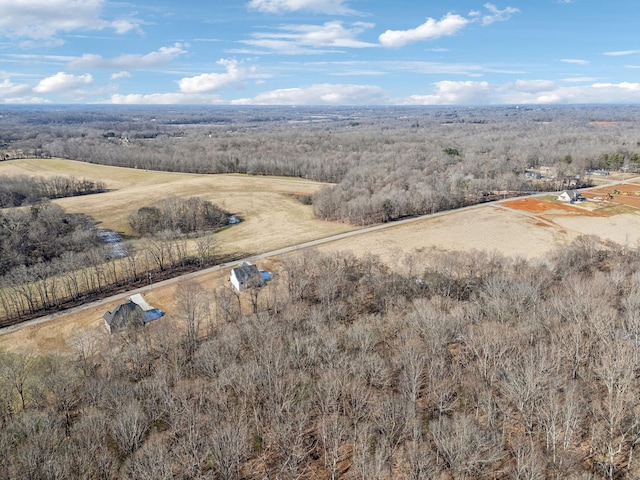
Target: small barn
[135, 312]
[246, 275]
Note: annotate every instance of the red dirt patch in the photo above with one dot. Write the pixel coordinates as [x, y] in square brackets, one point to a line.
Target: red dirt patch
[536, 205]
[629, 194]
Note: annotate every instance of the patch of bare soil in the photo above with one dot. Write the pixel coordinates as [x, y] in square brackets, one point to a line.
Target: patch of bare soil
[539, 206]
[622, 194]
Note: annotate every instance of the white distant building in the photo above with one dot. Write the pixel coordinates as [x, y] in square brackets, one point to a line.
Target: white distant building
[570, 196]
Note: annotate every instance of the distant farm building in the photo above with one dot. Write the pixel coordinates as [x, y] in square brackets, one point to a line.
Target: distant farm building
[570, 196]
[248, 275]
[533, 174]
[603, 173]
[547, 171]
[135, 312]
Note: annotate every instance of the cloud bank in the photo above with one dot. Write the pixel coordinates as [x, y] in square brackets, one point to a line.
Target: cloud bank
[44, 19]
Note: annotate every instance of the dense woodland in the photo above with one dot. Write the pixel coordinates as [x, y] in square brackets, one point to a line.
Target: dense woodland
[387, 162]
[40, 234]
[463, 365]
[457, 365]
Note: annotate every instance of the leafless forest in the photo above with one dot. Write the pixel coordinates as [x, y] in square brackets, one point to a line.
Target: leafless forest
[470, 366]
[387, 162]
[465, 365]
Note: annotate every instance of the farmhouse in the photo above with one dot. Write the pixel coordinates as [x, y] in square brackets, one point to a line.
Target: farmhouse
[124, 315]
[247, 275]
[135, 312]
[570, 196]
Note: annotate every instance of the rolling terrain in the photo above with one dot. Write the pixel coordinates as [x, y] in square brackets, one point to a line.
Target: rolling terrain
[529, 228]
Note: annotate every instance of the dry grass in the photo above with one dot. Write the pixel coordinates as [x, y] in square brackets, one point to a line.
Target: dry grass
[487, 228]
[273, 219]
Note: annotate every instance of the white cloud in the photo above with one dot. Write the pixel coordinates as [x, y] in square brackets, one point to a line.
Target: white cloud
[331, 34]
[451, 93]
[158, 58]
[450, 24]
[575, 61]
[26, 100]
[124, 25]
[521, 91]
[298, 39]
[320, 94]
[11, 90]
[497, 15]
[532, 86]
[62, 82]
[163, 99]
[209, 82]
[36, 58]
[526, 92]
[579, 79]
[44, 19]
[621, 53]
[118, 75]
[332, 7]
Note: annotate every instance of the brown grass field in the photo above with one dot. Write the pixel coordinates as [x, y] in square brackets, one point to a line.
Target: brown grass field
[529, 228]
[273, 218]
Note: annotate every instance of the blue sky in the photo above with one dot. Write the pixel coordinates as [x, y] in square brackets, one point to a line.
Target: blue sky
[319, 52]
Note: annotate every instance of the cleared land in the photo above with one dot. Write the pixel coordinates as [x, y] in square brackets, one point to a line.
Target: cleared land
[529, 227]
[272, 216]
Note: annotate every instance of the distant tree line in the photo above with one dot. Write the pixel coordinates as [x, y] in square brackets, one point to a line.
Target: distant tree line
[387, 162]
[181, 215]
[453, 365]
[22, 189]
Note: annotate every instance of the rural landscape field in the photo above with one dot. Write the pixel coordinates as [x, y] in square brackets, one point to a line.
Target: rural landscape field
[435, 309]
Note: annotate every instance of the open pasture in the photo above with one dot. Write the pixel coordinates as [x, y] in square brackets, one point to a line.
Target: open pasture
[272, 216]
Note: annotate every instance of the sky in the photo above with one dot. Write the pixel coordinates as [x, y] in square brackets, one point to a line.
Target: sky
[319, 52]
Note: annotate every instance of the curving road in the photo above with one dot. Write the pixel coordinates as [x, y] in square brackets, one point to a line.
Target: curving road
[273, 253]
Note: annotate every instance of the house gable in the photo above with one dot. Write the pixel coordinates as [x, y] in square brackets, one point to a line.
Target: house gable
[245, 276]
[124, 315]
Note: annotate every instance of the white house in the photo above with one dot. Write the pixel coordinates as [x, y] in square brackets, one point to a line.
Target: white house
[565, 197]
[570, 196]
[245, 276]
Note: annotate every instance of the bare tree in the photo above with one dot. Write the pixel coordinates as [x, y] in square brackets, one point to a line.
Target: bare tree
[192, 310]
[467, 448]
[17, 369]
[129, 428]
